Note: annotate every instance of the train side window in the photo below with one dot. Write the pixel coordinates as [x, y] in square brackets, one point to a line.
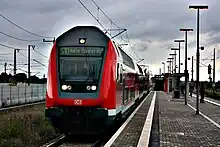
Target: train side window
[121, 78]
[117, 72]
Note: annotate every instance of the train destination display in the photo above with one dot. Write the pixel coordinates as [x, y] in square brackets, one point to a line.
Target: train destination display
[81, 51]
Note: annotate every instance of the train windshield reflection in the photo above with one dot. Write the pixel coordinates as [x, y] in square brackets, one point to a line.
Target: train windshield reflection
[80, 68]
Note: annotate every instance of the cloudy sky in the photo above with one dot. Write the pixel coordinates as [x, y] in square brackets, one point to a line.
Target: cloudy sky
[152, 27]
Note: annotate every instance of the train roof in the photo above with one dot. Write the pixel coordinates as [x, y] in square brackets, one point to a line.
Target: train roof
[95, 28]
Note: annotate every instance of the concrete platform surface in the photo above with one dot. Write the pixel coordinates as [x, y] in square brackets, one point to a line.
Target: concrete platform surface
[181, 127]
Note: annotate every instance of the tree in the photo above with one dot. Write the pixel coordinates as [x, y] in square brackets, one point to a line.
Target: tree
[20, 77]
[4, 77]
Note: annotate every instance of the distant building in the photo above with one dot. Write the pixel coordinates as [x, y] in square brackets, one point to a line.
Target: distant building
[217, 86]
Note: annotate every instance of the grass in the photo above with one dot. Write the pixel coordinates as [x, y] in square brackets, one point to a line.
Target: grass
[25, 127]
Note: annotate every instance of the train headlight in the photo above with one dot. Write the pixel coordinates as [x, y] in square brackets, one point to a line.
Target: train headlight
[82, 40]
[69, 87]
[88, 87]
[93, 87]
[64, 87]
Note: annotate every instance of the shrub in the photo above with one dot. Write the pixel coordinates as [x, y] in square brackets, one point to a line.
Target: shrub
[211, 94]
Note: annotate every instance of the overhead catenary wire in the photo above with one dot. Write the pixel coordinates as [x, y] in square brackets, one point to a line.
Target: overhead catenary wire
[208, 57]
[110, 21]
[94, 17]
[22, 27]
[97, 19]
[105, 14]
[202, 63]
[20, 39]
[39, 62]
[132, 46]
[6, 54]
[11, 47]
[40, 53]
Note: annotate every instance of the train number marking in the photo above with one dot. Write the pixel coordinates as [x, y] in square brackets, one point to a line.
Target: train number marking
[78, 102]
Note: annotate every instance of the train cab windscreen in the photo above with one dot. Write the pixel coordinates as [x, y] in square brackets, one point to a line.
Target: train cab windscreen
[80, 64]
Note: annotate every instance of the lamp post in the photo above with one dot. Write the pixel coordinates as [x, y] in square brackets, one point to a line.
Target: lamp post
[174, 61]
[169, 67]
[186, 70]
[171, 61]
[179, 41]
[164, 67]
[175, 49]
[197, 7]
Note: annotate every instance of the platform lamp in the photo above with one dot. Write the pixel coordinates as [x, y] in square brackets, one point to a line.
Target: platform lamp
[164, 67]
[186, 70]
[179, 41]
[173, 58]
[197, 7]
[171, 61]
[175, 49]
[169, 66]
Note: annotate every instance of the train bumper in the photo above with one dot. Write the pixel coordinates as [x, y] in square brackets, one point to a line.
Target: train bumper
[79, 120]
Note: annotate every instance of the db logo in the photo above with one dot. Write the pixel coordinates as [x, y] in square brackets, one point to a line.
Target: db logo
[78, 102]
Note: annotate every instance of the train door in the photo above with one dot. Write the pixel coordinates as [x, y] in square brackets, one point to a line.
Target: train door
[127, 84]
[123, 76]
[120, 84]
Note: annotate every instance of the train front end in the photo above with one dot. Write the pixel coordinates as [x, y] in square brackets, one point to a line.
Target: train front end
[80, 86]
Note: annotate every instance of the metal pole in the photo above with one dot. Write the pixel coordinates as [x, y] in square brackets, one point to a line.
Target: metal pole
[175, 62]
[214, 67]
[186, 71]
[172, 66]
[169, 67]
[5, 67]
[179, 57]
[15, 61]
[192, 68]
[164, 68]
[29, 64]
[159, 71]
[197, 67]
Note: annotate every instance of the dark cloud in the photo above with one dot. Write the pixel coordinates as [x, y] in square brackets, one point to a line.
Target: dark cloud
[152, 25]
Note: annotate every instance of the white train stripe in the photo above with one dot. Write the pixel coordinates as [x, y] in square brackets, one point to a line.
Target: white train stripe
[146, 131]
[114, 137]
[206, 117]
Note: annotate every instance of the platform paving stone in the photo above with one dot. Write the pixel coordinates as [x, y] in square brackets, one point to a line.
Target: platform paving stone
[210, 110]
[181, 127]
[129, 137]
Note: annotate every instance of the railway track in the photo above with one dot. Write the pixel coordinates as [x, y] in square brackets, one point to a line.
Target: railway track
[20, 106]
[64, 141]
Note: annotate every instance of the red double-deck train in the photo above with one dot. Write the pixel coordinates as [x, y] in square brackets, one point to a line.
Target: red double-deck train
[91, 81]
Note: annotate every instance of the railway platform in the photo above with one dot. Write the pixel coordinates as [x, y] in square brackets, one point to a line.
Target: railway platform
[181, 126]
[129, 133]
[163, 121]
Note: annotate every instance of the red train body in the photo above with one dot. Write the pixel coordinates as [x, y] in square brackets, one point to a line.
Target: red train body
[91, 81]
